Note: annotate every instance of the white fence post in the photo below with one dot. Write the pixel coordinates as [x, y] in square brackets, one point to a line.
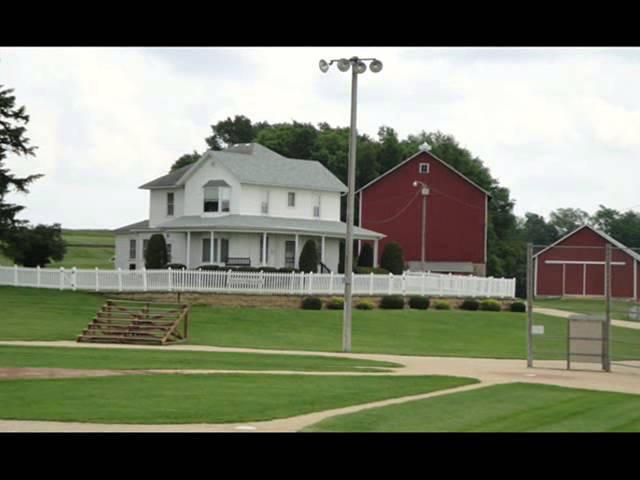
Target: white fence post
[61, 278]
[331, 283]
[170, 280]
[119, 279]
[301, 282]
[15, 275]
[390, 282]
[424, 287]
[404, 283]
[144, 279]
[97, 281]
[261, 282]
[73, 279]
[371, 283]
[310, 282]
[38, 276]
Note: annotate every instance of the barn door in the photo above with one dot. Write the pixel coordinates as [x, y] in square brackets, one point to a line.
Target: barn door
[573, 279]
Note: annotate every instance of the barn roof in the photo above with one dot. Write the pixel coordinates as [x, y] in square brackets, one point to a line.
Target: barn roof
[436, 158]
[608, 238]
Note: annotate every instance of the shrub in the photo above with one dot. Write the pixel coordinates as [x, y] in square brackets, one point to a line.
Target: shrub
[288, 270]
[175, 266]
[442, 305]
[375, 270]
[421, 303]
[392, 302]
[28, 245]
[309, 257]
[364, 305]
[211, 268]
[490, 305]
[518, 307]
[392, 258]
[470, 304]
[155, 255]
[311, 303]
[336, 303]
[365, 259]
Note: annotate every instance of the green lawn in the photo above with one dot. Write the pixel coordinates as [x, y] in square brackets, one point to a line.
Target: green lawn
[79, 254]
[589, 306]
[38, 314]
[225, 398]
[501, 408]
[98, 358]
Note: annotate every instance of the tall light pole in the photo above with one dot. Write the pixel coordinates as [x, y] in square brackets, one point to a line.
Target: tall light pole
[425, 194]
[357, 67]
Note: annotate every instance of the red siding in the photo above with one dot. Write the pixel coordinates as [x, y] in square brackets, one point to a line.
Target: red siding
[576, 282]
[456, 209]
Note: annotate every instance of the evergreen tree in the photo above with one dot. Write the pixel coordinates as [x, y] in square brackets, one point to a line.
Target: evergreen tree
[156, 256]
[309, 257]
[392, 258]
[366, 256]
[34, 246]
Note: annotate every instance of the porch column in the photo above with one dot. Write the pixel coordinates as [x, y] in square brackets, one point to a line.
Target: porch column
[295, 256]
[264, 248]
[211, 247]
[187, 262]
[322, 250]
[375, 253]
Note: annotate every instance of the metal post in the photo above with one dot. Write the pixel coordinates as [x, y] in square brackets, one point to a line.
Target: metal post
[424, 226]
[348, 264]
[529, 305]
[606, 327]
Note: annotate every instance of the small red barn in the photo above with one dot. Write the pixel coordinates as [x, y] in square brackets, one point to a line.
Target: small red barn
[574, 265]
[456, 215]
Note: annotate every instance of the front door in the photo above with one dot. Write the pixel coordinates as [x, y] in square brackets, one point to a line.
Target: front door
[290, 254]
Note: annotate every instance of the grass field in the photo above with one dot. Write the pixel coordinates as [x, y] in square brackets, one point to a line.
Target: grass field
[589, 306]
[92, 358]
[225, 398]
[38, 314]
[82, 255]
[501, 408]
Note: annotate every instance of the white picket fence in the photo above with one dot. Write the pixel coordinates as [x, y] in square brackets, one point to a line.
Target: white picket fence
[431, 284]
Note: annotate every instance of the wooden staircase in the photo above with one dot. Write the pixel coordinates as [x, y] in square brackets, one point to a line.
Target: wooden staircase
[145, 323]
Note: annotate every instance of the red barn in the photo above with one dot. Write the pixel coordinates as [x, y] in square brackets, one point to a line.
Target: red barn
[574, 265]
[455, 238]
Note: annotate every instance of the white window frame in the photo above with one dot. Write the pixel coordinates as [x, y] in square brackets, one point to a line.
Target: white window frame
[290, 196]
[133, 247]
[316, 207]
[423, 164]
[171, 202]
[264, 204]
[223, 198]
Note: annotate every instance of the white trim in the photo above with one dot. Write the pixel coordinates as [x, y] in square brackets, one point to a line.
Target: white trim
[375, 253]
[580, 262]
[211, 257]
[295, 255]
[564, 276]
[432, 156]
[635, 280]
[187, 262]
[608, 238]
[322, 250]
[584, 278]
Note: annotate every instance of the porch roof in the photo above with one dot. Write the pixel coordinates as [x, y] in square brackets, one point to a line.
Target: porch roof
[257, 223]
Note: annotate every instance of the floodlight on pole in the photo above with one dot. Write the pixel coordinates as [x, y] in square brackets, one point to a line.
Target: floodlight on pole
[357, 66]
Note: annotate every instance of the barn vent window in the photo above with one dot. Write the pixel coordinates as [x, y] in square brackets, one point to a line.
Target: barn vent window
[423, 168]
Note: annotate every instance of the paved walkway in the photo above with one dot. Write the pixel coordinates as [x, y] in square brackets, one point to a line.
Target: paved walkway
[488, 371]
[565, 314]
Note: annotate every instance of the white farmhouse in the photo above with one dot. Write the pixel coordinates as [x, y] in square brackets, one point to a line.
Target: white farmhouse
[246, 205]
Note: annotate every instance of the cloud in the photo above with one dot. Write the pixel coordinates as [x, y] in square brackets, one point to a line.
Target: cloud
[556, 126]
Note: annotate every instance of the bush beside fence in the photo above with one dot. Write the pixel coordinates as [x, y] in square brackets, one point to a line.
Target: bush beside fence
[268, 283]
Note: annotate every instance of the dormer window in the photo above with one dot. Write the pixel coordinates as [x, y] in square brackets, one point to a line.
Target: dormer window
[217, 195]
[423, 168]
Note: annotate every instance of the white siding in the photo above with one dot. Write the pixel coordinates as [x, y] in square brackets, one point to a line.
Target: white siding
[194, 193]
[278, 202]
[158, 205]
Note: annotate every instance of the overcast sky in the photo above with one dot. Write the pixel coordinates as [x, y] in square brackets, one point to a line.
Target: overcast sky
[560, 127]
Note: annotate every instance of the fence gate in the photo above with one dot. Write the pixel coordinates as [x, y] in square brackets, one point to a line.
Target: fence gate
[582, 306]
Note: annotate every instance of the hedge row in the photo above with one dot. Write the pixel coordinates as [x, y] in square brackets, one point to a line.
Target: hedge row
[397, 302]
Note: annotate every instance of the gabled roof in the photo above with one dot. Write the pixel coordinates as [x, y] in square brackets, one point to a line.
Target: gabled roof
[433, 156]
[144, 224]
[255, 164]
[608, 238]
